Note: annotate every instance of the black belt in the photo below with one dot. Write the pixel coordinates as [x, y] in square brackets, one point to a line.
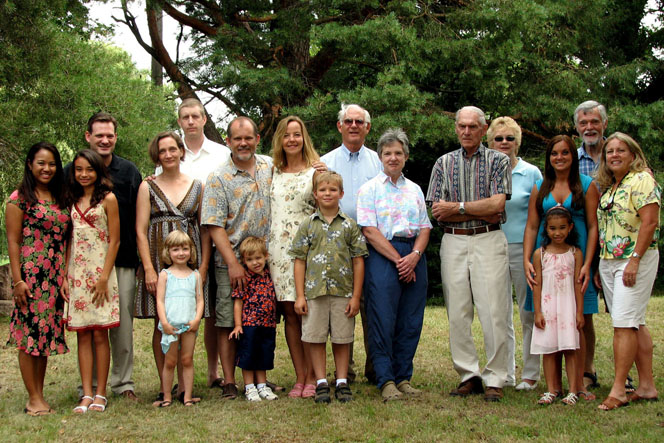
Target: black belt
[472, 231]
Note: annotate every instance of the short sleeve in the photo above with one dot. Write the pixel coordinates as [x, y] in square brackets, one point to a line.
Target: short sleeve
[238, 293]
[366, 205]
[501, 178]
[645, 191]
[435, 192]
[301, 242]
[214, 205]
[357, 244]
[585, 182]
[423, 221]
[17, 200]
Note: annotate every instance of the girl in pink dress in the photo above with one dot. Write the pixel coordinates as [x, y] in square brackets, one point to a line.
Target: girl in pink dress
[92, 287]
[558, 304]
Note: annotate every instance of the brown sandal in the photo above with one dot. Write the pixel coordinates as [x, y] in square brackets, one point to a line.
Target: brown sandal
[612, 403]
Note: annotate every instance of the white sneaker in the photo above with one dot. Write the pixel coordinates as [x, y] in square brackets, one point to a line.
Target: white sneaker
[251, 394]
[267, 394]
[525, 386]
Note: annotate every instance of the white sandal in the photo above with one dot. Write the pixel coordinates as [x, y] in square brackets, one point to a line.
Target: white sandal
[547, 398]
[81, 409]
[571, 399]
[97, 407]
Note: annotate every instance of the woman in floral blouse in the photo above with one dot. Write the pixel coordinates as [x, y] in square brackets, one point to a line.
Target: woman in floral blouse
[37, 221]
[628, 219]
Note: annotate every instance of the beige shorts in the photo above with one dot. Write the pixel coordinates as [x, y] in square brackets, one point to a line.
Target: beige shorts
[327, 317]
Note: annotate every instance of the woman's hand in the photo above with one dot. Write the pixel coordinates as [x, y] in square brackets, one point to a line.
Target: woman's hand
[630, 271]
[64, 289]
[203, 271]
[584, 278]
[21, 295]
[406, 265]
[530, 274]
[598, 280]
[151, 281]
[580, 321]
[100, 292]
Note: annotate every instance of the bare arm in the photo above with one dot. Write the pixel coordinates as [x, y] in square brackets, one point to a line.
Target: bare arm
[648, 215]
[110, 204]
[299, 270]
[206, 245]
[378, 241]
[236, 271]
[14, 227]
[406, 265]
[200, 305]
[591, 202]
[161, 303]
[353, 306]
[529, 237]
[142, 224]
[537, 290]
[578, 288]
[478, 209]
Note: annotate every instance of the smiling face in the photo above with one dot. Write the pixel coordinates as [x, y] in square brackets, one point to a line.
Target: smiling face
[393, 159]
[192, 121]
[469, 130]
[354, 128]
[43, 167]
[243, 141]
[619, 158]
[169, 153]
[328, 194]
[558, 228]
[590, 127]
[504, 141]
[84, 174]
[293, 141]
[255, 261]
[102, 139]
[561, 157]
[180, 254]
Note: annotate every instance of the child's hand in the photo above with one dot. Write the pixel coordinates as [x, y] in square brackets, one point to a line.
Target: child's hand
[193, 325]
[539, 320]
[352, 308]
[235, 333]
[100, 292]
[168, 329]
[301, 306]
[580, 321]
[64, 289]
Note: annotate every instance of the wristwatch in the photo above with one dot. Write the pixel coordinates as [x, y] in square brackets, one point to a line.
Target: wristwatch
[636, 255]
[417, 252]
[462, 208]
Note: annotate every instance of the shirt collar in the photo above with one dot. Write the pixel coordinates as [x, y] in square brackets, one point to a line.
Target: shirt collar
[583, 152]
[350, 155]
[520, 167]
[477, 152]
[320, 216]
[235, 170]
[384, 178]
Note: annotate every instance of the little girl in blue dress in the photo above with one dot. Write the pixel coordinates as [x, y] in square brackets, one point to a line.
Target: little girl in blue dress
[180, 308]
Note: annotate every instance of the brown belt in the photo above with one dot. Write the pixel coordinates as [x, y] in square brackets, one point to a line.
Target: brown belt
[472, 231]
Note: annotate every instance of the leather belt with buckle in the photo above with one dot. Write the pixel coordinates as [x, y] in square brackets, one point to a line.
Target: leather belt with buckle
[472, 231]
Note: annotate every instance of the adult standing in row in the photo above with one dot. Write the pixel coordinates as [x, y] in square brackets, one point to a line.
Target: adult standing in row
[563, 185]
[37, 220]
[393, 215]
[590, 120]
[504, 135]
[291, 201]
[356, 164]
[102, 138]
[236, 204]
[171, 201]
[628, 216]
[202, 156]
[468, 190]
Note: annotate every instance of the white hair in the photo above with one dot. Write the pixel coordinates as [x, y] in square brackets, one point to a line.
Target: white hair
[345, 108]
[476, 110]
[588, 106]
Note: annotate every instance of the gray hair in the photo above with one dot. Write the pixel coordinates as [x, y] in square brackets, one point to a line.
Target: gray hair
[390, 136]
[344, 109]
[476, 110]
[588, 106]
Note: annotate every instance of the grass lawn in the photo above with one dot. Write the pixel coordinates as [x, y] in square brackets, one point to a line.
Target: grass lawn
[433, 417]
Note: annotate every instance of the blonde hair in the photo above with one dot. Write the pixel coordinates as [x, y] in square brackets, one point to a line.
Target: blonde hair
[177, 238]
[309, 154]
[251, 245]
[329, 177]
[604, 176]
[507, 123]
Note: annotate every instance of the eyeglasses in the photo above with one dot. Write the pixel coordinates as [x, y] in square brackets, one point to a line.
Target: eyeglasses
[509, 138]
[350, 121]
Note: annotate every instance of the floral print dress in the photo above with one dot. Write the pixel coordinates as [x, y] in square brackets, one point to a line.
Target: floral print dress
[38, 329]
[89, 246]
[291, 201]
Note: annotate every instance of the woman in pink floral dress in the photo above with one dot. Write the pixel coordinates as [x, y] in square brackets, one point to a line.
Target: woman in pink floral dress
[37, 221]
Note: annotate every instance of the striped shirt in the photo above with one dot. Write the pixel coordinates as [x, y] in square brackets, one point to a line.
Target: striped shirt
[456, 178]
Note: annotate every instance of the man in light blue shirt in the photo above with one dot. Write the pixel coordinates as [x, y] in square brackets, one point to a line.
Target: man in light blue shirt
[356, 164]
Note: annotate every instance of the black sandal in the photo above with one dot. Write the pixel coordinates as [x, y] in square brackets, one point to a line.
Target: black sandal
[593, 378]
[194, 399]
[189, 403]
[164, 404]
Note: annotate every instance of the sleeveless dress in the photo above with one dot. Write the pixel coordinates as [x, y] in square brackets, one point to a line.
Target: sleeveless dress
[38, 329]
[89, 245]
[165, 217]
[558, 305]
[590, 298]
[291, 201]
[180, 306]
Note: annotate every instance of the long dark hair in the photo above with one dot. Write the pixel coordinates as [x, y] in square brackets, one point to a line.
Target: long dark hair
[573, 179]
[27, 187]
[103, 184]
[559, 211]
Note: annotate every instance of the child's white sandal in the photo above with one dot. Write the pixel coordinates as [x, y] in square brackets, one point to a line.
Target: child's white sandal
[81, 409]
[571, 399]
[97, 407]
[547, 398]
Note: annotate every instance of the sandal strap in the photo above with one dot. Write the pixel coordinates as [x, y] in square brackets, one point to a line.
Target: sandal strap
[571, 399]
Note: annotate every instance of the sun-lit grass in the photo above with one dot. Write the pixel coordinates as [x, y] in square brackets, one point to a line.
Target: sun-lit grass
[434, 417]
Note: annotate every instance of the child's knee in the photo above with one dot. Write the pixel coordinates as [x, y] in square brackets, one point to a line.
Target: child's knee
[187, 360]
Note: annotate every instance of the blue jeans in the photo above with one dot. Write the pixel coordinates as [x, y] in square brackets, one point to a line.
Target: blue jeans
[395, 311]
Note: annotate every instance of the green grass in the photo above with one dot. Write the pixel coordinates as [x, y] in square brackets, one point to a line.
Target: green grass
[434, 417]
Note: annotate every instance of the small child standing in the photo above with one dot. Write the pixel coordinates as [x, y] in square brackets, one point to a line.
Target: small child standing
[180, 309]
[91, 289]
[255, 317]
[329, 251]
[558, 303]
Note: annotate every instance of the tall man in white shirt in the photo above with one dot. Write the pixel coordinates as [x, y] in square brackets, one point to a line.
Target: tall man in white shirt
[202, 157]
[356, 164]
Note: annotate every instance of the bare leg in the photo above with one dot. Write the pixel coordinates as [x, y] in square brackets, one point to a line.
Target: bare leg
[248, 377]
[186, 361]
[558, 373]
[589, 333]
[157, 352]
[572, 369]
[170, 362]
[103, 358]
[625, 344]
[261, 376]
[212, 349]
[341, 352]
[580, 360]
[551, 375]
[317, 353]
[298, 352]
[647, 387]
[34, 384]
[227, 352]
[85, 360]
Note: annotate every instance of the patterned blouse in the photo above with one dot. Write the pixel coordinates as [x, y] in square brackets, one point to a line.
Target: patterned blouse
[456, 178]
[259, 306]
[619, 225]
[396, 210]
[328, 250]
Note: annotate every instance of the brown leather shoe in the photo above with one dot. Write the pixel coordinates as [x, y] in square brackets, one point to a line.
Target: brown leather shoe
[468, 387]
[493, 394]
[129, 394]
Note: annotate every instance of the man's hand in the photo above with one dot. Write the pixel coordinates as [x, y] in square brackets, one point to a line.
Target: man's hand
[442, 209]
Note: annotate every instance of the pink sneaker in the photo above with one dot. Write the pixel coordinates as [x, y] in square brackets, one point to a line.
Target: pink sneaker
[296, 392]
[309, 391]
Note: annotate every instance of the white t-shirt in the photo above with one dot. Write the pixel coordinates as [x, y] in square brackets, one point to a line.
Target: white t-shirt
[200, 165]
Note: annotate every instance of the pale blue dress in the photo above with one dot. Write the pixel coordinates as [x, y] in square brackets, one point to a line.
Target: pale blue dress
[180, 304]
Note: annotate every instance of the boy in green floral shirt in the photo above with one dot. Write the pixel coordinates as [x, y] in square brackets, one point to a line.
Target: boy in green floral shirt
[329, 251]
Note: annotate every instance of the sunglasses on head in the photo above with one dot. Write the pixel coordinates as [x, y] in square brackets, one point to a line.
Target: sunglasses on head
[509, 138]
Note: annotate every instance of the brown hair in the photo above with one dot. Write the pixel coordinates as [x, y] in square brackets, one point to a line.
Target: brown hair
[177, 238]
[573, 179]
[251, 245]
[604, 175]
[102, 117]
[153, 148]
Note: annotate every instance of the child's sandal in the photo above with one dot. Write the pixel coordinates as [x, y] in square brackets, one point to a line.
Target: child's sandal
[547, 398]
[82, 409]
[98, 407]
[586, 395]
[571, 399]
